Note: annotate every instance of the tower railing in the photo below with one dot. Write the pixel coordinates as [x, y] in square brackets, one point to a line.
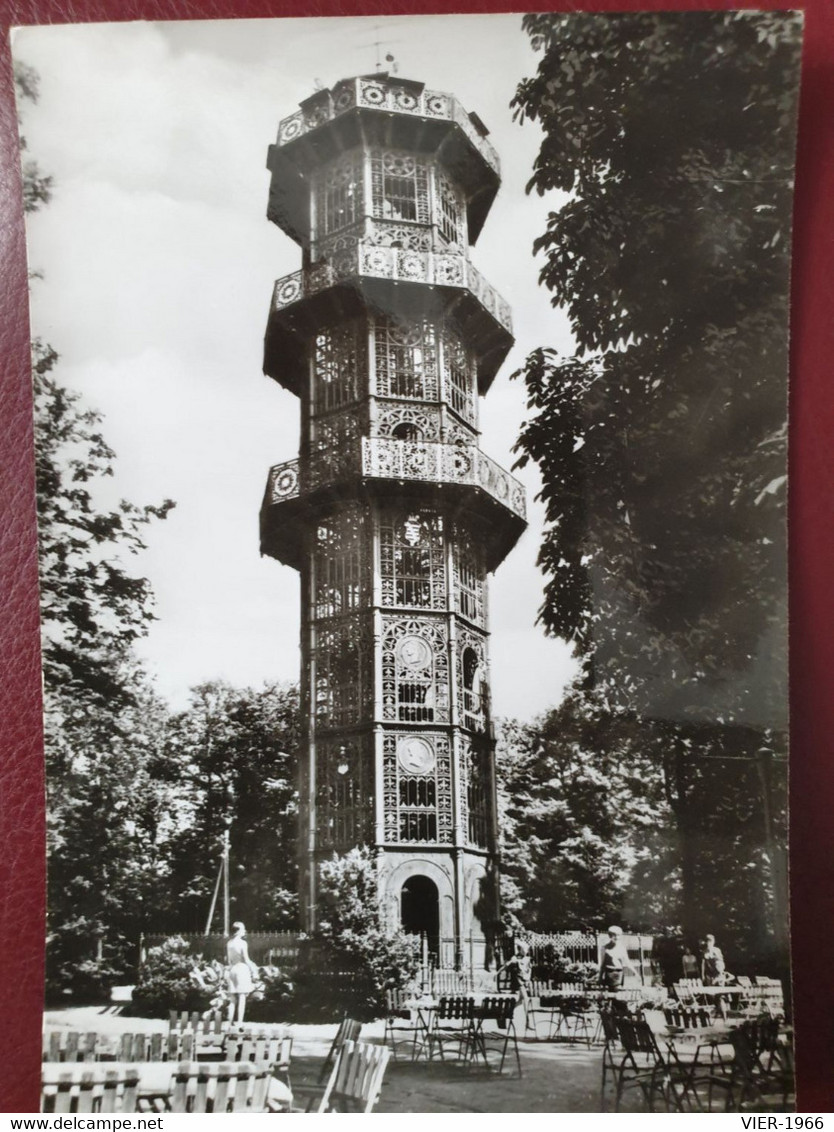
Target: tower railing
[443, 269]
[386, 458]
[388, 95]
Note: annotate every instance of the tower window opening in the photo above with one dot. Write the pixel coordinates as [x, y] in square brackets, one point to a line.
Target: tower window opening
[406, 359]
[470, 572]
[344, 800]
[418, 825]
[459, 376]
[476, 796]
[340, 354]
[400, 187]
[472, 679]
[448, 221]
[417, 791]
[339, 564]
[408, 432]
[339, 194]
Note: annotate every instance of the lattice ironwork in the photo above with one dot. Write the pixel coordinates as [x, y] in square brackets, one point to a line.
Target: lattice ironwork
[475, 787]
[470, 577]
[344, 792]
[341, 563]
[472, 679]
[459, 374]
[336, 446]
[412, 559]
[407, 422]
[450, 213]
[417, 788]
[340, 361]
[415, 670]
[338, 193]
[458, 434]
[400, 186]
[343, 671]
[406, 359]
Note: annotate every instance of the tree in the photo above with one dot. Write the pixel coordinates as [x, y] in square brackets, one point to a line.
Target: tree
[235, 754]
[661, 443]
[101, 719]
[587, 830]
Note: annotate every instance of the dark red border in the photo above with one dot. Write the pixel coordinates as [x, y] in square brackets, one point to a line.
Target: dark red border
[812, 528]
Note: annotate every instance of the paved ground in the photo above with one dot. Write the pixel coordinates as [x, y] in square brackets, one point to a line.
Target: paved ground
[555, 1078]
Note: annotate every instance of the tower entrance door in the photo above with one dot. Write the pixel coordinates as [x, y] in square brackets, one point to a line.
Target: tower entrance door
[420, 914]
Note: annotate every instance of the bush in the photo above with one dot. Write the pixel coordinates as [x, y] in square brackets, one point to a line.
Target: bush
[170, 979]
[354, 959]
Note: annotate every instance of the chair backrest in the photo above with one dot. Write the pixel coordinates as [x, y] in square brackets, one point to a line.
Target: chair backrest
[636, 1037]
[497, 1007]
[456, 1006]
[356, 1080]
[349, 1031]
[88, 1088]
[744, 980]
[220, 1087]
[69, 1045]
[257, 1047]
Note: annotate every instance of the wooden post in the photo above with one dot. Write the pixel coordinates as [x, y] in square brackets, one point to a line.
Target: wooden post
[225, 867]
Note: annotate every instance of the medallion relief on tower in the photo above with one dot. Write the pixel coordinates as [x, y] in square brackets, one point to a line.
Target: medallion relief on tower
[343, 672]
[344, 792]
[415, 670]
[412, 558]
[417, 788]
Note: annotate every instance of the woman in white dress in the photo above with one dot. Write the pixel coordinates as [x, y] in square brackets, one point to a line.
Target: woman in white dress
[241, 972]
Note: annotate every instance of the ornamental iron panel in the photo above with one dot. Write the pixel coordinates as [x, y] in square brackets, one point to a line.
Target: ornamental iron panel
[343, 672]
[417, 788]
[446, 269]
[412, 559]
[341, 563]
[386, 94]
[344, 792]
[415, 670]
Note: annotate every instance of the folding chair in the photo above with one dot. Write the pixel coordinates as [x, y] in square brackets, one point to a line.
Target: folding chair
[501, 1010]
[401, 1019]
[349, 1031]
[452, 1022]
[356, 1080]
[88, 1088]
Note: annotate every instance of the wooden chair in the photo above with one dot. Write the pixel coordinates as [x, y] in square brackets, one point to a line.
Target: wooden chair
[142, 1047]
[651, 1069]
[578, 1019]
[276, 1052]
[69, 1045]
[612, 1052]
[88, 1088]
[356, 1080]
[349, 1031]
[219, 1087]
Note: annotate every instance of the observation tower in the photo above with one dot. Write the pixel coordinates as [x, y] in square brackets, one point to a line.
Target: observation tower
[391, 513]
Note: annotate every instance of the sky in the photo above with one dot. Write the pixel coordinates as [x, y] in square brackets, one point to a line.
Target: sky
[158, 265]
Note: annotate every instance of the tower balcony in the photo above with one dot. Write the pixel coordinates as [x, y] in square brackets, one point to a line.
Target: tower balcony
[362, 274]
[384, 465]
[387, 94]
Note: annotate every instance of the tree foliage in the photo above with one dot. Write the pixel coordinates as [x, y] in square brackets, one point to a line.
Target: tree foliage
[587, 830]
[234, 754]
[661, 443]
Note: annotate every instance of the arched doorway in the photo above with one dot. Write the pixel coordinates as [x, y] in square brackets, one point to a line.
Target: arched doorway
[420, 910]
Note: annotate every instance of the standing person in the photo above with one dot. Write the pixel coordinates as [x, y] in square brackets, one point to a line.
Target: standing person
[519, 968]
[241, 972]
[615, 961]
[712, 963]
[689, 964]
